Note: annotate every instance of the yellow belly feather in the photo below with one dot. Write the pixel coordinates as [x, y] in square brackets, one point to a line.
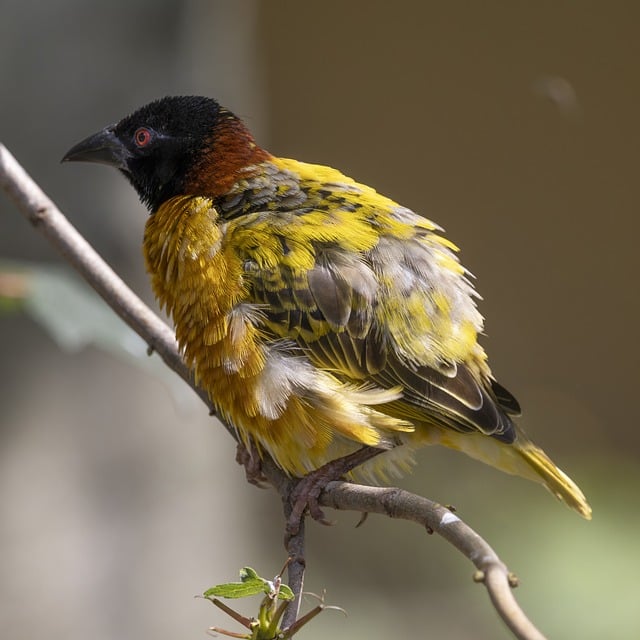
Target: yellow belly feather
[300, 415]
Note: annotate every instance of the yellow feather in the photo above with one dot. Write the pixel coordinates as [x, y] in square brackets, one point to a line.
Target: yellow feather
[243, 291]
[318, 314]
[521, 458]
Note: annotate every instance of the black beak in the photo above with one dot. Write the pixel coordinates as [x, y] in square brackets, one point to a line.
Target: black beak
[103, 147]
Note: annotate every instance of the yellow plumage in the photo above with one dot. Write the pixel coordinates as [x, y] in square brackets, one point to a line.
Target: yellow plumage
[319, 315]
[285, 366]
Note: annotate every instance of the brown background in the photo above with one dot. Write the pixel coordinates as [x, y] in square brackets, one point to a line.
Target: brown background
[513, 125]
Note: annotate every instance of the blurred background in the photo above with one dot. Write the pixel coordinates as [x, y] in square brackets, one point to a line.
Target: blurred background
[513, 125]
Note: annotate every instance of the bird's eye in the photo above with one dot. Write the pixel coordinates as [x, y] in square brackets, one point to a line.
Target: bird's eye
[142, 137]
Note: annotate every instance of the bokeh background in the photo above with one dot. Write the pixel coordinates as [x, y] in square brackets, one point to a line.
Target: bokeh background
[514, 125]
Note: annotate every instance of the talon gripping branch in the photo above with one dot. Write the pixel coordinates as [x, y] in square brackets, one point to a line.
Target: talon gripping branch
[319, 315]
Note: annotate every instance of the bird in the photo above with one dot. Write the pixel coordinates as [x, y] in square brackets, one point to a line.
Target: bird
[320, 316]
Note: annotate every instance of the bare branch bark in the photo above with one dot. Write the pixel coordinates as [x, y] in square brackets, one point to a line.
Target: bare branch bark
[36, 206]
[397, 503]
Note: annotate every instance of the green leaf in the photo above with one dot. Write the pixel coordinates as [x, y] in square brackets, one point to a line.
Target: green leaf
[76, 317]
[251, 584]
[247, 573]
[285, 593]
[235, 589]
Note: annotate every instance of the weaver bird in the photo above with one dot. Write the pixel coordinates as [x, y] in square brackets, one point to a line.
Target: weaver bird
[320, 316]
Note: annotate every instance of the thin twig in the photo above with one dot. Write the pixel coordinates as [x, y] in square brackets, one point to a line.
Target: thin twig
[294, 544]
[395, 503]
[43, 214]
[295, 570]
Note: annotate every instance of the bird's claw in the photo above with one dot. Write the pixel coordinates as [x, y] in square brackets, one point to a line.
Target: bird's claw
[304, 497]
[250, 460]
[305, 492]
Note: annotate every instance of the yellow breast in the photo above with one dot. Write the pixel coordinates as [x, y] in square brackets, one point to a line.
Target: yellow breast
[302, 416]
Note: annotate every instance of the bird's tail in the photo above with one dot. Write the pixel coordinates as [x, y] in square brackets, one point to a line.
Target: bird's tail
[553, 478]
[521, 458]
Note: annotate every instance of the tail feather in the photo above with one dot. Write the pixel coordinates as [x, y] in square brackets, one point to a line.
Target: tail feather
[554, 479]
[521, 458]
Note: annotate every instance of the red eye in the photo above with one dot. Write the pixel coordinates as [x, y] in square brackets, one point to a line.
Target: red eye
[142, 137]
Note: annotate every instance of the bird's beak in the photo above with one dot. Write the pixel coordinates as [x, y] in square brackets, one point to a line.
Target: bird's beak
[103, 147]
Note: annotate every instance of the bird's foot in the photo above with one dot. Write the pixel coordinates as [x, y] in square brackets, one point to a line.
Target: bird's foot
[250, 460]
[305, 493]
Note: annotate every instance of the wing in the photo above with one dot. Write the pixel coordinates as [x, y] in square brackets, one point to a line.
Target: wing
[370, 291]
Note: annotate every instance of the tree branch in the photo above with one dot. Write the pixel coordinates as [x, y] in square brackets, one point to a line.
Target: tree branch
[395, 503]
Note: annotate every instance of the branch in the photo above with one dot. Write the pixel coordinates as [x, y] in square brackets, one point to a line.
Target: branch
[395, 503]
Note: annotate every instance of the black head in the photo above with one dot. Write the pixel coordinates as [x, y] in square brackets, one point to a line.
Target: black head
[156, 146]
